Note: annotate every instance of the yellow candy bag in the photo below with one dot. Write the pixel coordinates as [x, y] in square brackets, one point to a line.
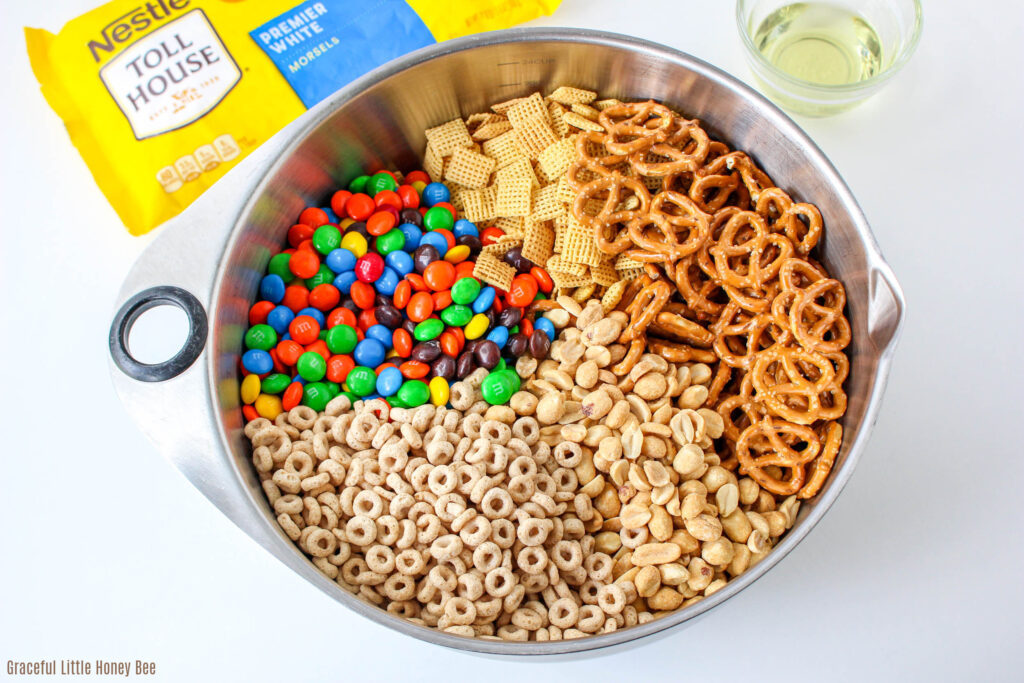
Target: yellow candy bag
[162, 97]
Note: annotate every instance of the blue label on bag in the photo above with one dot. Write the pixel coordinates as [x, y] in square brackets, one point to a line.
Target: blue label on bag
[320, 46]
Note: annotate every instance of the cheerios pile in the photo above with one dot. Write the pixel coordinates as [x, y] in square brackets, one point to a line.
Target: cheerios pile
[593, 501]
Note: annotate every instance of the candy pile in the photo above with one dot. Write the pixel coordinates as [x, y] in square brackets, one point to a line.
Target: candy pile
[385, 294]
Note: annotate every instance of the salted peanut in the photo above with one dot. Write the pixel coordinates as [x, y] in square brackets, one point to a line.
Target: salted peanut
[673, 574]
[634, 515]
[607, 504]
[790, 507]
[737, 526]
[623, 563]
[600, 355]
[740, 559]
[758, 522]
[607, 542]
[550, 408]
[686, 542]
[656, 553]
[652, 386]
[700, 373]
[756, 542]
[716, 477]
[574, 432]
[558, 317]
[693, 505]
[694, 397]
[638, 479]
[647, 581]
[661, 495]
[704, 527]
[660, 525]
[701, 574]
[718, 552]
[714, 425]
[727, 499]
[777, 523]
[765, 501]
[632, 442]
[596, 405]
[602, 333]
[586, 374]
[594, 487]
[689, 459]
[656, 473]
[573, 412]
[665, 599]
[616, 417]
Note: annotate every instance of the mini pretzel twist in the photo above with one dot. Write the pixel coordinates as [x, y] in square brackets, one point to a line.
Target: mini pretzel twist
[643, 309]
[780, 444]
[798, 385]
[635, 127]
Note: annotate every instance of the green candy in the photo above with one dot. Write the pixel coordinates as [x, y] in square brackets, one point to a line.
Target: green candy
[392, 240]
[438, 218]
[358, 184]
[428, 329]
[361, 381]
[457, 315]
[323, 276]
[380, 182]
[414, 393]
[326, 239]
[396, 402]
[332, 387]
[351, 397]
[275, 383]
[341, 339]
[316, 395]
[279, 266]
[498, 387]
[311, 366]
[465, 290]
[262, 337]
[501, 365]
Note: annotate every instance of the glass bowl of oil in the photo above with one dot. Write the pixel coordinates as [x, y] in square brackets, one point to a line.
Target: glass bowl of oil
[822, 57]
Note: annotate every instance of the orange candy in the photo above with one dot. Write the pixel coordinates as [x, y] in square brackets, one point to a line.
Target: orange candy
[417, 282]
[324, 297]
[449, 344]
[380, 222]
[338, 367]
[489, 235]
[403, 292]
[341, 316]
[313, 217]
[288, 351]
[250, 414]
[414, 369]
[320, 346]
[526, 326]
[363, 294]
[464, 269]
[292, 396]
[338, 200]
[448, 236]
[367, 319]
[421, 305]
[442, 300]
[543, 279]
[299, 232]
[438, 275]
[410, 197]
[388, 198]
[402, 341]
[359, 207]
[304, 329]
[304, 263]
[523, 290]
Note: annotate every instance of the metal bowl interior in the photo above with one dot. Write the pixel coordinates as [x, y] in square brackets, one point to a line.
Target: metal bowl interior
[378, 122]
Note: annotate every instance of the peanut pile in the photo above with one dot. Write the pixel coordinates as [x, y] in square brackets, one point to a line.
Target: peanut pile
[594, 501]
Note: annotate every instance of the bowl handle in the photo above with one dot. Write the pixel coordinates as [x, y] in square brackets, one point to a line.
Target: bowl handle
[886, 307]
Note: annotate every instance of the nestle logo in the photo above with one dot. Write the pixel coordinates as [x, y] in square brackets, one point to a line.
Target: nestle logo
[122, 29]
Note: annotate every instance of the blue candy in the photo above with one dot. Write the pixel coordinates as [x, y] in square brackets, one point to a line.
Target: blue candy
[341, 260]
[400, 262]
[298, 379]
[387, 282]
[546, 325]
[389, 381]
[484, 300]
[464, 227]
[435, 193]
[344, 281]
[315, 314]
[369, 352]
[257, 362]
[331, 216]
[280, 318]
[412, 236]
[437, 241]
[499, 335]
[272, 288]
[381, 334]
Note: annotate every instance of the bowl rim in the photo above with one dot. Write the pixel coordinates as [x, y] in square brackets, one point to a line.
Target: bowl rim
[846, 88]
[297, 135]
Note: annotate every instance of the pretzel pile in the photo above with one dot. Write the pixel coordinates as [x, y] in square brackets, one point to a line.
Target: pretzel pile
[722, 274]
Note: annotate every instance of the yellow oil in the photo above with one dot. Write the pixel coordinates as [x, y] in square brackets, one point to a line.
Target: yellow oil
[820, 43]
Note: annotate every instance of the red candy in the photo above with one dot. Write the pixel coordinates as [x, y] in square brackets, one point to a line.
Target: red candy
[298, 233]
[490, 235]
[304, 329]
[359, 207]
[249, 413]
[341, 316]
[313, 217]
[367, 319]
[417, 282]
[523, 290]
[388, 198]
[442, 300]
[402, 341]
[288, 351]
[258, 312]
[409, 196]
[543, 279]
[403, 292]
[439, 275]
[464, 269]
[369, 267]
[296, 297]
[292, 396]
[421, 305]
[319, 346]
[415, 176]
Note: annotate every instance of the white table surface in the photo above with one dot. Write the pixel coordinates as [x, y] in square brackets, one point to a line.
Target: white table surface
[915, 574]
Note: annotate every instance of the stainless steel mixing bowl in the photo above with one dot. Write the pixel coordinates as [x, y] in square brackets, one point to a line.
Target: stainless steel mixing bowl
[210, 259]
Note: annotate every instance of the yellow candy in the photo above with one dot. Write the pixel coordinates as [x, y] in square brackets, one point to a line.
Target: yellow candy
[354, 242]
[391, 353]
[418, 186]
[457, 254]
[345, 222]
[477, 326]
[439, 391]
[268, 406]
[250, 389]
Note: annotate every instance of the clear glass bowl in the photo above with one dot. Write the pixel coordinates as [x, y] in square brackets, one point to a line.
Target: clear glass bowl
[897, 23]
